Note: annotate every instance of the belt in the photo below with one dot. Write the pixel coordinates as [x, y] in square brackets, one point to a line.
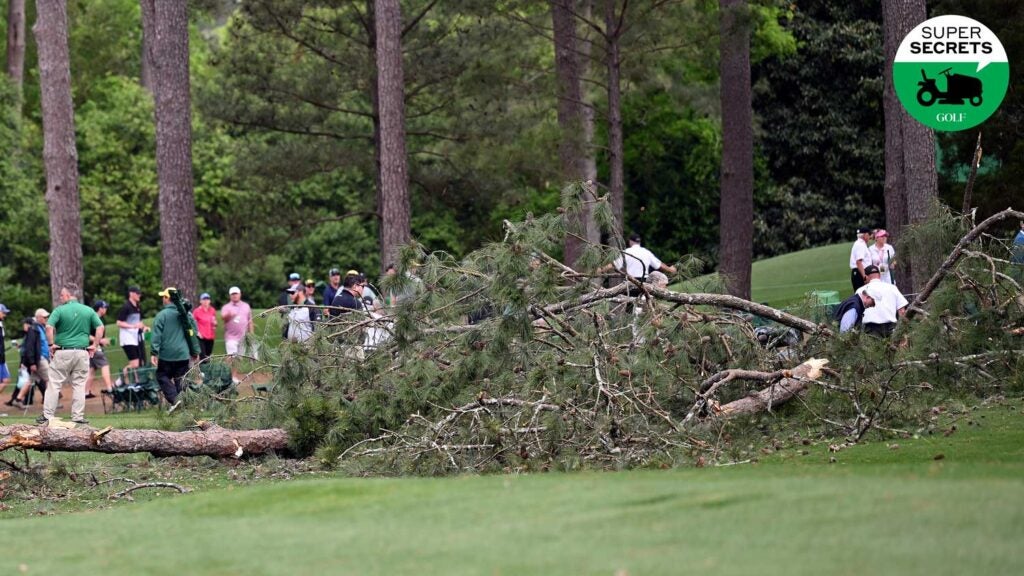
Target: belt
[63, 348]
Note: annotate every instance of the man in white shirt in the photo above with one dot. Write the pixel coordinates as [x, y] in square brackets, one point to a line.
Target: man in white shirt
[890, 304]
[860, 257]
[637, 261]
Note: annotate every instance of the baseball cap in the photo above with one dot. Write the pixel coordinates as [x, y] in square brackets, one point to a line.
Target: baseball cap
[863, 230]
[294, 289]
[234, 290]
[204, 296]
[634, 237]
[166, 292]
[135, 289]
[28, 320]
[881, 234]
[42, 312]
[310, 282]
[352, 273]
[294, 276]
[871, 269]
[100, 304]
[334, 272]
[5, 309]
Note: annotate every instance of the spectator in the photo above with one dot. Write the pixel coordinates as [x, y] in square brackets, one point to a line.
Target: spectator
[331, 290]
[206, 324]
[370, 296]
[293, 280]
[850, 312]
[860, 257]
[170, 349]
[351, 295]
[237, 316]
[300, 323]
[70, 329]
[883, 255]
[1018, 246]
[310, 302]
[5, 374]
[25, 380]
[129, 321]
[890, 305]
[99, 358]
[637, 261]
[37, 356]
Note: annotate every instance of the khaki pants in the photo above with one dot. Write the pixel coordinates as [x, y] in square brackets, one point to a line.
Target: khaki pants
[42, 371]
[67, 367]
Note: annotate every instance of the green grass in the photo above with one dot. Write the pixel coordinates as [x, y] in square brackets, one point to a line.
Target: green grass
[786, 279]
[877, 510]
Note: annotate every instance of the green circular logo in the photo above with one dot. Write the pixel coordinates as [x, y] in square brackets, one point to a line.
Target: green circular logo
[951, 73]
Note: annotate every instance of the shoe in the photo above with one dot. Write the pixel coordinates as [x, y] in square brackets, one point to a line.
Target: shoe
[42, 420]
[18, 404]
[9, 402]
[174, 407]
[90, 395]
[82, 421]
[106, 392]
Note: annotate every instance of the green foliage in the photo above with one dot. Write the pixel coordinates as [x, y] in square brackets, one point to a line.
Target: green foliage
[821, 130]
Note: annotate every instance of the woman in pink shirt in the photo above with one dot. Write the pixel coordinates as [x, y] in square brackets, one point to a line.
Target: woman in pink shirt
[206, 322]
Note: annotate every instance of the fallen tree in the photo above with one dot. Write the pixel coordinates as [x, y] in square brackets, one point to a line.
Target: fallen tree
[208, 440]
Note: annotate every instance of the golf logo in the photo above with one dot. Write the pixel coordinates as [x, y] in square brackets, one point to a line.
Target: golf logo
[951, 73]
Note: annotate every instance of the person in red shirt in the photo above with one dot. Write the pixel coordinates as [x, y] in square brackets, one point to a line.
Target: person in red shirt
[206, 322]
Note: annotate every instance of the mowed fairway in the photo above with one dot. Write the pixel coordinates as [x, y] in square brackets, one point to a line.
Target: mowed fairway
[877, 510]
[785, 279]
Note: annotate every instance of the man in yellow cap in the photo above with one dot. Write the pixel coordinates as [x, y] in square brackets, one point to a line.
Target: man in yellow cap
[170, 349]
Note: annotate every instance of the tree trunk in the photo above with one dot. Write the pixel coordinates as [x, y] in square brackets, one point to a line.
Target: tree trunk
[60, 156]
[570, 118]
[911, 180]
[174, 146]
[16, 42]
[616, 178]
[394, 178]
[211, 440]
[146, 65]
[736, 232]
[593, 233]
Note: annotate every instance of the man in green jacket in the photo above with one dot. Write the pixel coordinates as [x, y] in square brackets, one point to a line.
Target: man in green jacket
[170, 349]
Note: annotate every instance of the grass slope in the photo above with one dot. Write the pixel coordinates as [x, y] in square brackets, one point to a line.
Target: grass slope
[877, 510]
[786, 279]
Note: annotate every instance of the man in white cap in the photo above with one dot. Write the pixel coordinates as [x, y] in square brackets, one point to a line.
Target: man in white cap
[860, 257]
[237, 316]
[37, 360]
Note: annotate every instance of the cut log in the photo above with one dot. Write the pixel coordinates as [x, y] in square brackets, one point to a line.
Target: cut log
[774, 395]
[209, 440]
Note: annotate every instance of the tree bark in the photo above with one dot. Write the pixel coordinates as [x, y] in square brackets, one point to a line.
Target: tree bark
[570, 118]
[211, 440]
[146, 64]
[911, 180]
[16, 42]
[394, 178]
[60, 156]
[736, 229]
[616, 176]
[775, 395]
[174, 146]
[593, 233]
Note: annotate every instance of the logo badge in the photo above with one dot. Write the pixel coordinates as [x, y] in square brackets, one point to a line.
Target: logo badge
[951, 73]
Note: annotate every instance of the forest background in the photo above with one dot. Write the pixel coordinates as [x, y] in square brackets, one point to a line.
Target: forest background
[283, 155]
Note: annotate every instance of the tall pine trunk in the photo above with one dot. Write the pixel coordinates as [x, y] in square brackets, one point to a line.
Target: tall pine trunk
[16, 42]
[911, 180]
[587, 148]
[394, 177]
[616, 176]
[736, 232]
[60, 157]
[146, 64]
[570, 118]
[174, 145]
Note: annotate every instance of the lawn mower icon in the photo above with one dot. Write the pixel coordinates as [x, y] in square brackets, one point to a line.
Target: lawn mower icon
[958, 88]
